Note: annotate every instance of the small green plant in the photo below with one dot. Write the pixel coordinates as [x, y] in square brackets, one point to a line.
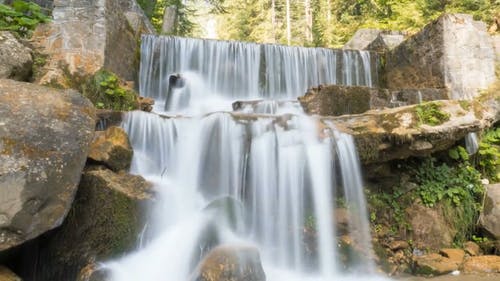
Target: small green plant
[459, 153]
[104, 90]
[21, 17]
[479, 240]
[489, 155]
[430, 113]
[457, 191]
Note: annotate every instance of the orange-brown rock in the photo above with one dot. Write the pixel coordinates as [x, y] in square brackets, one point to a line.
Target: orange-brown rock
[398, 245]
[230, 263]
[472, 248]
[456, 255]
[434, 264]
[112, 148]
[482, 264]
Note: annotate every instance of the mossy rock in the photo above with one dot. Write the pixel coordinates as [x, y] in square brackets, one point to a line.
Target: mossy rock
[104, 223]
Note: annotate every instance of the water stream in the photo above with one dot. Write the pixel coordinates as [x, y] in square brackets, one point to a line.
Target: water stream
[265, 175]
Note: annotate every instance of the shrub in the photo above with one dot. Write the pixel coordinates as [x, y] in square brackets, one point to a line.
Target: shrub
[430, 113]
[22, 17]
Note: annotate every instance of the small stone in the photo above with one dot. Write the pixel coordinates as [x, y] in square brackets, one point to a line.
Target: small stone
[112, 148]
[398, 245]
[472, 248]
[230, 262]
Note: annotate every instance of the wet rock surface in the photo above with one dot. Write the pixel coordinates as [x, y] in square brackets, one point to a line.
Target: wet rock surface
[230, 263]
[44, 139]
[16, 60]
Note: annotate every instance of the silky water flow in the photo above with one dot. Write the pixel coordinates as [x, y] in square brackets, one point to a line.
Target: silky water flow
[264, 175]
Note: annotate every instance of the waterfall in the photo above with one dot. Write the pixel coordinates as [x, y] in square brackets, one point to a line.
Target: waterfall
[277, 174]
[237, 70]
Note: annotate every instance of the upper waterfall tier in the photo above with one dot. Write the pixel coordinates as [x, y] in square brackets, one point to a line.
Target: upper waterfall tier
[247, 70]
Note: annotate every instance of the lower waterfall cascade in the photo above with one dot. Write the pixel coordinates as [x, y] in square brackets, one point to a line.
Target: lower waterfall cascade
[254, 176]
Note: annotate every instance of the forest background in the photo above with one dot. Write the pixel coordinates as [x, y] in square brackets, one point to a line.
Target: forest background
[320, 23]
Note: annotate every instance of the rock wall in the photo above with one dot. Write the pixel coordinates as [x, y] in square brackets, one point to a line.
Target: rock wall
[334, 100]
[453, 52]
[88, 35]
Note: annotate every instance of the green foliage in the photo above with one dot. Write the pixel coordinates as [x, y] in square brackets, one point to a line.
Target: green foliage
[21, 17]
[389, 208]
[430, 113]
[104, 90]
[335, 21]
[489, 154]
[456, 190]
[458, 153]
[456, 184]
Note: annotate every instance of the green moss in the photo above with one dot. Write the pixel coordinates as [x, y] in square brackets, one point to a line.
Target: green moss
[430, 113]
[39, 61]
[465, 104]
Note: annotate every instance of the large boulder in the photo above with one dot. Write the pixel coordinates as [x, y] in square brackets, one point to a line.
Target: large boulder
[105, 222]
[15, 57]
[490, 216]
[230, 263]
[430, 229]
[112, 148]
[44, 139]
[84, 37]
[453, 52]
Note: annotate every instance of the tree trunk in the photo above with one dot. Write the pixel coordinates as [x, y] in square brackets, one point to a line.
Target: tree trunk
[288, 23]
[328, 11]
[309, 21]
[169, 20]
[273, 19]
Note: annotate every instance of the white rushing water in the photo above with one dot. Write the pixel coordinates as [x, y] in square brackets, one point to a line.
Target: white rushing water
[265, 175]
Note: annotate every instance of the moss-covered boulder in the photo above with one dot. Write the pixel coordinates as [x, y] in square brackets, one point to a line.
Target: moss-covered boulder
[230, 263]
[104, 223]
[112, 148]
[44, 139]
